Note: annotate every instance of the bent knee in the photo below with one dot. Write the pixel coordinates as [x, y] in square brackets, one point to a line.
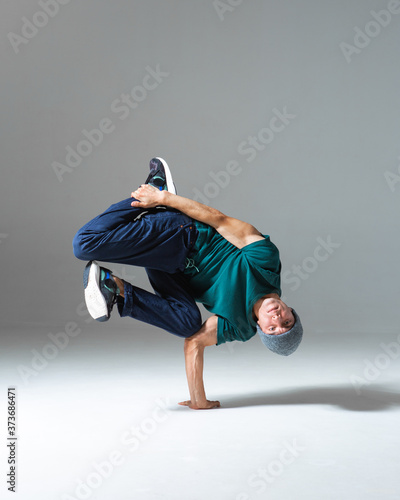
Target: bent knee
[191, 326]
[81, 248]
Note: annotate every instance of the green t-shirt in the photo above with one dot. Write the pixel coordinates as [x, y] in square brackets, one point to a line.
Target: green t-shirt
[228, 281]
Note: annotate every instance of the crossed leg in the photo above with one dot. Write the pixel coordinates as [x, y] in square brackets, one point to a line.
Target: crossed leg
[158, 239]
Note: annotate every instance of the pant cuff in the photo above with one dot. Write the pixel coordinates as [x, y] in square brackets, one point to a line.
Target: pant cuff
[125, 305]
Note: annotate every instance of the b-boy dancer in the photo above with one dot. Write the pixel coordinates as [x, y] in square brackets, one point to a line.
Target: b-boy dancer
[191, 253]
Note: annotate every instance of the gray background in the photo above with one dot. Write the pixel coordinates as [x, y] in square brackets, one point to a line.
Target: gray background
[323, 175]
[331, 174]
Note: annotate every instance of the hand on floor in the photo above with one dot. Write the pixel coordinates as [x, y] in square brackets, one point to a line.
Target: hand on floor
[207, 405]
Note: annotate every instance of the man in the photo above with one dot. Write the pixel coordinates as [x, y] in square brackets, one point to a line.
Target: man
[191, 252]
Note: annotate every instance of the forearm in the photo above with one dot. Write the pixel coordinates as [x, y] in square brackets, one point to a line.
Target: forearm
[237, 232]
[194, 361]
[194, 209]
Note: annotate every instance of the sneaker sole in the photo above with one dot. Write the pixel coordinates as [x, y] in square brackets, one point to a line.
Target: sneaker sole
[168, 176]
[95, 302]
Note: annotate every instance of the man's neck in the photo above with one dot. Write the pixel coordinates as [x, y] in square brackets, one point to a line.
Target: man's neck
[257, 305]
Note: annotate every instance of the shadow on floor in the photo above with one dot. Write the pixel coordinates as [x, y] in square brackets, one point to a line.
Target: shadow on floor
[374, 398]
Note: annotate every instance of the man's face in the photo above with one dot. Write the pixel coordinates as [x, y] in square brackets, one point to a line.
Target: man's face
[275, 317]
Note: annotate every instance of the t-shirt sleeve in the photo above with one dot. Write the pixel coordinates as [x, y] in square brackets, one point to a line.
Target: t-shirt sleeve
[226, 332]
[263, 258]
[263, 254]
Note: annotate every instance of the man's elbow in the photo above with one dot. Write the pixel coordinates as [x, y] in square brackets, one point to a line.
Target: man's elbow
[192, 344]
[220, 219]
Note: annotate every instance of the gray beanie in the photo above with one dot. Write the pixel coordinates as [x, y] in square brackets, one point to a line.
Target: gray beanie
[285, 343]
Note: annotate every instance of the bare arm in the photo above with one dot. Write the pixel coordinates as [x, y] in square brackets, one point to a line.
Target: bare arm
[237, 232]
[194, 360]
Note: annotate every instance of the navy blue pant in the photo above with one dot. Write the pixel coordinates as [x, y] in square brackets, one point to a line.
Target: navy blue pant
[158, 239]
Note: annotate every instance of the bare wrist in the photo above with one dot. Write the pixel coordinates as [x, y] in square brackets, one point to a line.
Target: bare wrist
[165, 197]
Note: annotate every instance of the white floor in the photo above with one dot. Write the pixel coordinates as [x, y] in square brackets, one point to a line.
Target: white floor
[100, 419]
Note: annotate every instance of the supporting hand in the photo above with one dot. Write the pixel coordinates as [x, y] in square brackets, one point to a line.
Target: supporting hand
[206, 405]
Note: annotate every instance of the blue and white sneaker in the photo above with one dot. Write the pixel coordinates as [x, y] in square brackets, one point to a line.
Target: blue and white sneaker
[160, 175]
[101, 291]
